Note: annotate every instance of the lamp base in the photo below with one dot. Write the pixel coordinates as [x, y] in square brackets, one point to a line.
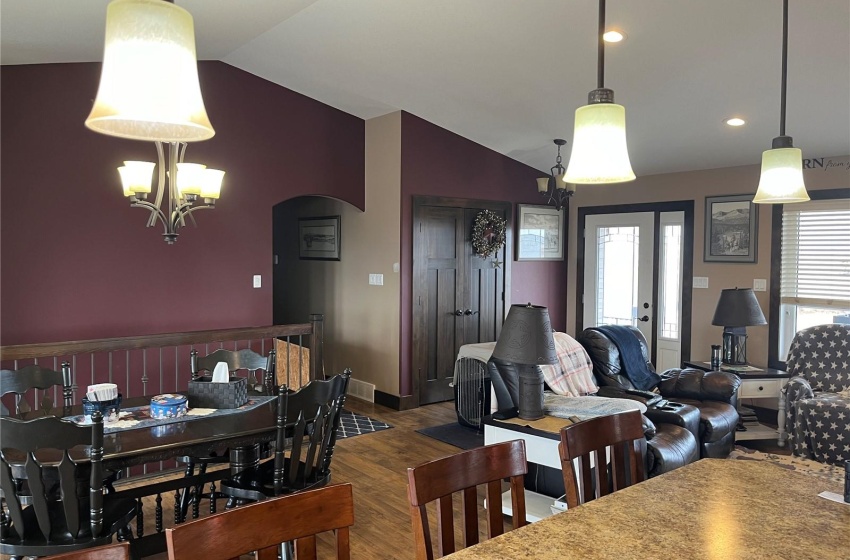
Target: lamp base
[735, 346]
[530, 392]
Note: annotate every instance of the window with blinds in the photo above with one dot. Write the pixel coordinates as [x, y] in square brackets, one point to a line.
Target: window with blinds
[815, 267]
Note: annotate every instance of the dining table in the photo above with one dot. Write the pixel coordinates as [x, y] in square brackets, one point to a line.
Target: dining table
[712, 509]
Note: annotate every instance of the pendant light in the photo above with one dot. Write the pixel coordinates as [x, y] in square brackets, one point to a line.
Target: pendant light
[600, 155]
[553, 187]
[781, 180]
[149, 86]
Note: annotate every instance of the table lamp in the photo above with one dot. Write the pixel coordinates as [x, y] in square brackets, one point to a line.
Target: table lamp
[736, 310]
[526, 340]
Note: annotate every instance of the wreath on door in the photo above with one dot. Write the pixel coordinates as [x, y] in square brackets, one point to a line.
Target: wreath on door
[488, 233]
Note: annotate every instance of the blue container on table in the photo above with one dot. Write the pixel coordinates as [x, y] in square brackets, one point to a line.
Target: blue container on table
[109, 409]
[169, 406]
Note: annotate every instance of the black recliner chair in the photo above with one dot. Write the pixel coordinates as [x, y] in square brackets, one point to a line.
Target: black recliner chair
[670, 431]
[713, 393]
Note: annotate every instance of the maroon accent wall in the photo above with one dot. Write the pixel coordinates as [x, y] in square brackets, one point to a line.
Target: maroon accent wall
[77, 261]
[437, 162]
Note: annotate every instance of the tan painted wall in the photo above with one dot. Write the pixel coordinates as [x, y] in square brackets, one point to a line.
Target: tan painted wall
[696, 185]
[361, 320]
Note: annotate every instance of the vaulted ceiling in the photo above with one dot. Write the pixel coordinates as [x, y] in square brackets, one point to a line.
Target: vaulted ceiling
[509, 74]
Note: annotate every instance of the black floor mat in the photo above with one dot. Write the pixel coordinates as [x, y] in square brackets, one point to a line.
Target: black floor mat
[455, 434]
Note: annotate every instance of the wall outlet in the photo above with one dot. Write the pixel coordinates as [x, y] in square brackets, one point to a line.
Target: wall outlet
[700, 282]
[396, 267]
[376, 279]
[759, 285]
[258, 281]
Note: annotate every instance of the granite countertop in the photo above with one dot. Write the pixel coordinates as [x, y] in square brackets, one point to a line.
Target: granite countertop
[713, 509]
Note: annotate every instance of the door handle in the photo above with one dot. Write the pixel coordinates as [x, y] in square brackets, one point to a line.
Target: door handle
[469, 312]
[459, 312]
[644, 319]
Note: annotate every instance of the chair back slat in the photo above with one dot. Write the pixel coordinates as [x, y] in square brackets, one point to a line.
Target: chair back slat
[235, 359]
[621, 435]
[438, 480]
[244, 529]
[39, 497]
[13, 504]
[445, 521]
[470, 516]
[68, 489]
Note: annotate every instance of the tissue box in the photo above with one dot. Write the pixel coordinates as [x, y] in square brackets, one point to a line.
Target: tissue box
[203, 393]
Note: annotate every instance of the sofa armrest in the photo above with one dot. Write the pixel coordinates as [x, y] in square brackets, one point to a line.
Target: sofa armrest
[646, 397]
[678, 414]
[700, 385]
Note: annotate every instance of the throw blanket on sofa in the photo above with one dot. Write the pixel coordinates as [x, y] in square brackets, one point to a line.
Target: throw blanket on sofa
[631, 357]
[587, 407]
[573, 374]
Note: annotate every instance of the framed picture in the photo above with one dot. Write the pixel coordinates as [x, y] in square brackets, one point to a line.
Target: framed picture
[540, 233]
[731, 229]
[318, 238]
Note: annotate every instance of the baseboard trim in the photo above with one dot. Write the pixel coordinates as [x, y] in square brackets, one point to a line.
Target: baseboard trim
[395, 402]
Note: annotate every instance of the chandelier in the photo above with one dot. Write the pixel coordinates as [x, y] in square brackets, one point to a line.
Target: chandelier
[557, 191]
[781, 178]
[149, 90]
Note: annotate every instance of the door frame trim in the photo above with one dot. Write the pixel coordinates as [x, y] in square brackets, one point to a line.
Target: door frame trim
[417, 319]
[686, 206]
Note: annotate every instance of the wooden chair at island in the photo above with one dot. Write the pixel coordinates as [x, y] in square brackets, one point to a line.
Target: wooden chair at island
[616, 441]
[437, 480]
[263, 526]
[119, 551]
[33, 377]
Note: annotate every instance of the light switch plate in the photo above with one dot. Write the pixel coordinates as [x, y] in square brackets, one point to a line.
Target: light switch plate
[396, 267]
[376, 279]
[759, 285]
[258, 281]
[700, 282]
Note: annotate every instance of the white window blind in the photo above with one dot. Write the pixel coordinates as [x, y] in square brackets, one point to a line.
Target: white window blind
[816, 254]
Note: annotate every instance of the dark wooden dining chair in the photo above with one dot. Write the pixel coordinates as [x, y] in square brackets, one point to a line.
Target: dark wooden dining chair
[308, 418]
[236, 360]
[464, 472]
[615, 442]
[29, 378]
[67, 513]
[263, 526]
[118, 551]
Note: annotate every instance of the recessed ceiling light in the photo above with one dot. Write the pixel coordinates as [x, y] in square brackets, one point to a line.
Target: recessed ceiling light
[735, 121]
[613, 36]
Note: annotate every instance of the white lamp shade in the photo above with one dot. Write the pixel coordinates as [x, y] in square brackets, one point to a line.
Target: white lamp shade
[211, 183]
[542, 184]
[136, 177]
[190, 177]
[781, 177]
[149, 86]
[599, 154]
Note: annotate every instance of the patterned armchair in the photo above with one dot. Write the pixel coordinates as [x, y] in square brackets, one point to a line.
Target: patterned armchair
[818, 394]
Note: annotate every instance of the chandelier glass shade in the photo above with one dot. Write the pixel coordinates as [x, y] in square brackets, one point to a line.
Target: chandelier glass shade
[554, 187]
[149, 86]
[781, 180]
[600, 154]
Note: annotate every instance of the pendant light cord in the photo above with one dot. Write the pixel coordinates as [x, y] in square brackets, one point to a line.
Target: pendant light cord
[600, 68]
[784, 67]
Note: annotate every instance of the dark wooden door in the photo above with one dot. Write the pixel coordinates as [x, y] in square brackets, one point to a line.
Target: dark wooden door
[458, 297]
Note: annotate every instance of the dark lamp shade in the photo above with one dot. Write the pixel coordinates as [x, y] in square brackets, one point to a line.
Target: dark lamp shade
[738, 308]
[526, 337]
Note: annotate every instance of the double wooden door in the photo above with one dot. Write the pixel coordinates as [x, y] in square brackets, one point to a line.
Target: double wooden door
[458, 297]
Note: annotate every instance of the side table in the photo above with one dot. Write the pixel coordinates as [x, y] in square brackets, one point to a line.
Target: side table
[757, 383]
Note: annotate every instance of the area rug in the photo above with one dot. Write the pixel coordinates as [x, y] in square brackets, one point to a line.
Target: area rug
[455, 434]
[351, 424]
[791, 463]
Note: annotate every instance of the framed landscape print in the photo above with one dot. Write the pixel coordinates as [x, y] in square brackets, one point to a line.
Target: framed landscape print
[540, 233]
[318, 238]
[731, 229]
